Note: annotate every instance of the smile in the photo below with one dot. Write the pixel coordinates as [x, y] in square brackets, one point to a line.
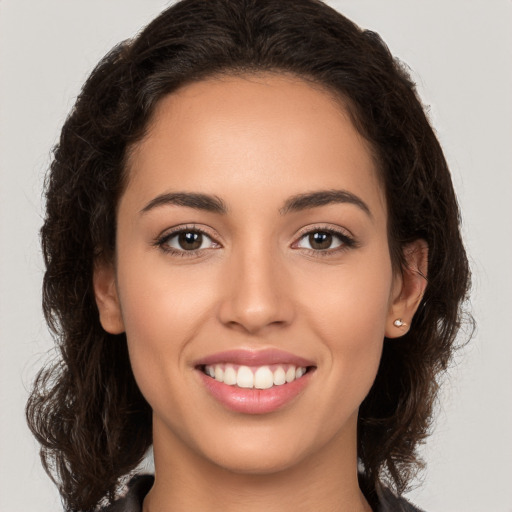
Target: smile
[255, 382]
[258, 377]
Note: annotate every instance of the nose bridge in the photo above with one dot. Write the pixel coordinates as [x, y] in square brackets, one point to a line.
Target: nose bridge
[256, 288]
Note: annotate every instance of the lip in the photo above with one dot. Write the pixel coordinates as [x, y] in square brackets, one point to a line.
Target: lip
[254, 401]
[254, 358]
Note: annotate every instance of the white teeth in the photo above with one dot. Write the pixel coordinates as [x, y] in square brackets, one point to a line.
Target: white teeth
[290, 374]
[230, 376]
[298, 373]
[219, 373]
[279, 377]
[261, 377]
[245, 377]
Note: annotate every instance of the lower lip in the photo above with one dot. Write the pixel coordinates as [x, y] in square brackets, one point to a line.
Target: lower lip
[255, 401]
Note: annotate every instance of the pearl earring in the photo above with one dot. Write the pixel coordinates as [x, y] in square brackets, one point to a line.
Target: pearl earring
[398, 323]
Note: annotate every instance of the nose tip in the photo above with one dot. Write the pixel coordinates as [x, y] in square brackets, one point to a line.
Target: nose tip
[253, 318]
[256, 299]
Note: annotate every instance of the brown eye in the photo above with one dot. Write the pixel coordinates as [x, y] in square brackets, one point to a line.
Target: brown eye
[190, 240]
[320, 240]
[187, 241]
[323, 241]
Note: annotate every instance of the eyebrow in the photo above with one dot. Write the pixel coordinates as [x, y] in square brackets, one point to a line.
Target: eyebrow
[189, 199]
[296, 203]
[322, 198]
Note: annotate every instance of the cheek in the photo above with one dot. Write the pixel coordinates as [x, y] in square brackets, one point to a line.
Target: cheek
[162, 311]
[348, 309]
[159, 299]
[353, 297]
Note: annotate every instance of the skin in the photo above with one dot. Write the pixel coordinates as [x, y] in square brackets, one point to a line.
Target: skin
[255, 283]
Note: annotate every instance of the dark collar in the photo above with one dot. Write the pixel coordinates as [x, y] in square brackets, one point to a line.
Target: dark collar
[140, 485]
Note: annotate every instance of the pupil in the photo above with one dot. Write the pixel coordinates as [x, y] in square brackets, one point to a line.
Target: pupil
[190, 240]
[320, 240]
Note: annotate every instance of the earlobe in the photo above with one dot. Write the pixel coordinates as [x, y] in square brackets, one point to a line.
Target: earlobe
[409, 289]
[107, 300]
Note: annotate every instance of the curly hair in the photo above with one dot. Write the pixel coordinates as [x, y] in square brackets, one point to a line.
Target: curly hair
[86, 409]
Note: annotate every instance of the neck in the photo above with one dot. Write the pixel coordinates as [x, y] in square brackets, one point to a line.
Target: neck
[324, 482]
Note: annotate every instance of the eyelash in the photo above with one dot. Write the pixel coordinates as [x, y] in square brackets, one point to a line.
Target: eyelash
[163, 241]
[347, 241]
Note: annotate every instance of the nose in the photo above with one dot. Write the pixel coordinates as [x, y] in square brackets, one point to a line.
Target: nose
[257, 292]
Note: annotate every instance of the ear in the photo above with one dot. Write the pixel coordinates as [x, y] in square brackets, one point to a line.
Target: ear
[408, 289]
[107, 300]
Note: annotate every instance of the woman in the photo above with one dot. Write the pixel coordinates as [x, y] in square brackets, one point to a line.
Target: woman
[242, 213]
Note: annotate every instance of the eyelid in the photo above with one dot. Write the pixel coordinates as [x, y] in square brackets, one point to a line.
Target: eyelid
[347, 238]
[161, 240]
[331, 228]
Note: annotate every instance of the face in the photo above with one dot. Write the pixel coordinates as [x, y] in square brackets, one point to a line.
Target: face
[252, 277]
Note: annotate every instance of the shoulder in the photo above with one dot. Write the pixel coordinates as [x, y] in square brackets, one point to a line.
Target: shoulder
[138, 487]
[388, 502]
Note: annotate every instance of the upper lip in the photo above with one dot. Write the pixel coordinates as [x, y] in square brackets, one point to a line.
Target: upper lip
[254, 358]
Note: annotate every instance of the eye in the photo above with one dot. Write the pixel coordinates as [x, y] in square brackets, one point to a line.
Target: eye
[186, 241]
[319, 241]
[324, 240]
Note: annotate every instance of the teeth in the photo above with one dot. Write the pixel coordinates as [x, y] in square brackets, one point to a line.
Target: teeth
[279, 376]
[261, 377]
[290, 374]
[219, 374]
[244, 377]
[229, 376]
[298, 373]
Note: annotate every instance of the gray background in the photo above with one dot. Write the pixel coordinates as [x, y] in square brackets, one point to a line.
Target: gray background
[460, 51]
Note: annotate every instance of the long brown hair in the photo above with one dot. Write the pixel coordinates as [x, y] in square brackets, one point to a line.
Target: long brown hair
[86, 410]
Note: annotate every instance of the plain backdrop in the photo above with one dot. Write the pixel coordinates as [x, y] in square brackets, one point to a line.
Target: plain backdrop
[460, 53]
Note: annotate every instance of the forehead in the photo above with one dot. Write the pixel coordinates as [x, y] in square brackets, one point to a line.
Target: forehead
[273, 133]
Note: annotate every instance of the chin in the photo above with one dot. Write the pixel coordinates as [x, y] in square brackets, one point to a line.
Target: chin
[261, 452]
[254, 464]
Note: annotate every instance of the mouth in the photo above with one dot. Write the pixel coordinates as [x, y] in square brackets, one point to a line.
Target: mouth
[255, 382]
[255, 377]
